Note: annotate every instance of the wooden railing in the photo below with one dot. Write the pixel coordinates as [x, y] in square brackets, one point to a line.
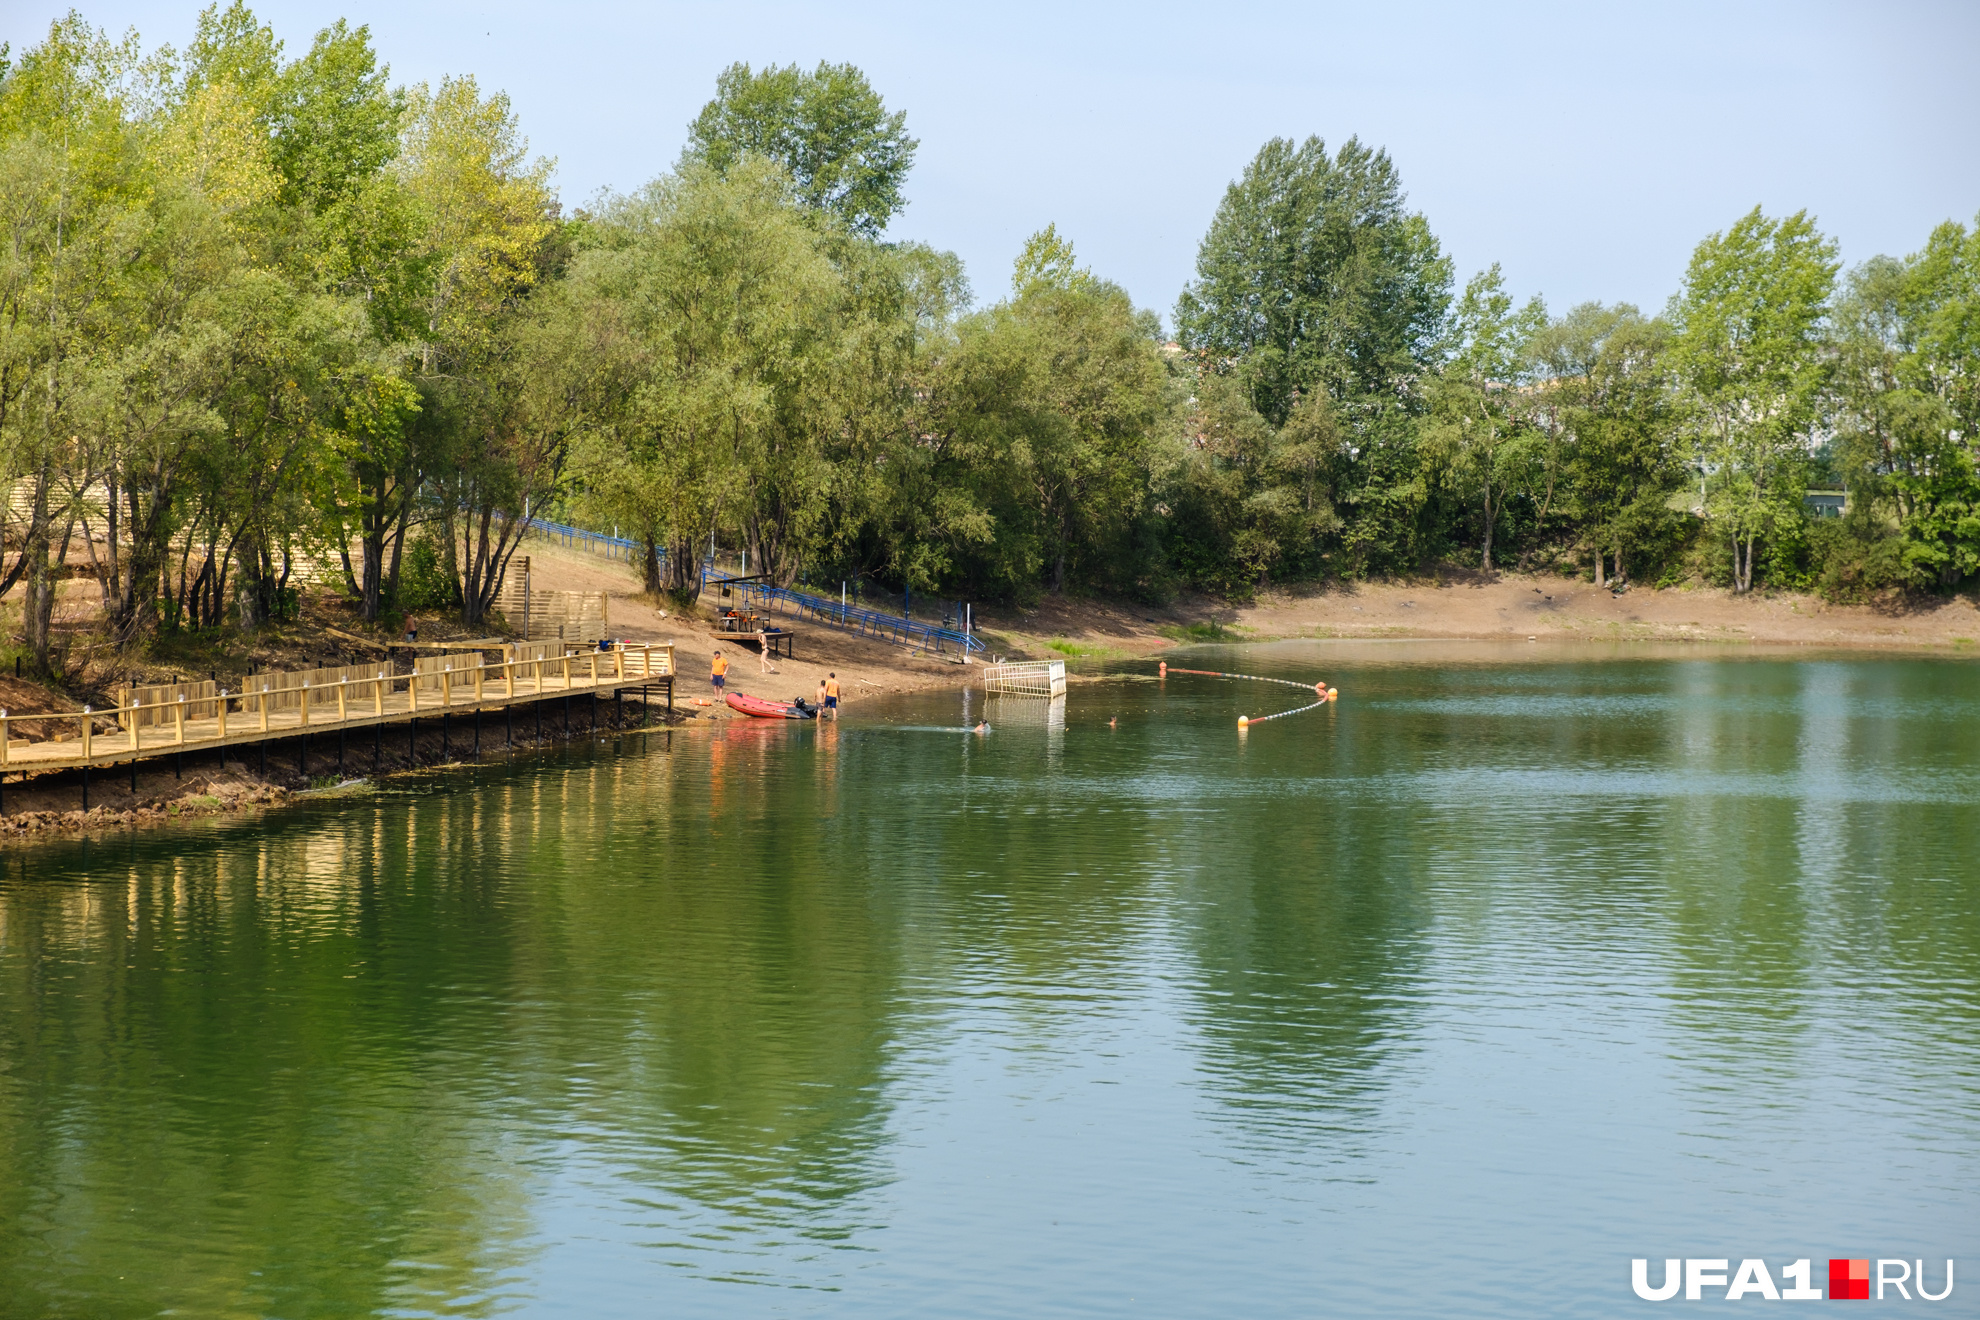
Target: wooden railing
[161, 720]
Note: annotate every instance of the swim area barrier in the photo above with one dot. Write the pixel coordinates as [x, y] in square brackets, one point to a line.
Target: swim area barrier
[1326, 693]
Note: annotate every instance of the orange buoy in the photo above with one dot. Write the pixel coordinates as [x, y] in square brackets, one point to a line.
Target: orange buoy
[1165, 669]
[1333, 694]
[1243, 723]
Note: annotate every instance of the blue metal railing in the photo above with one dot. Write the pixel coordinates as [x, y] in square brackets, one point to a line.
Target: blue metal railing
[869, 623]
[895, 628]
[612, 547]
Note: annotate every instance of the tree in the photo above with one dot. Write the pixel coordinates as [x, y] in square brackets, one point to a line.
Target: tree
[714, 284]
[828, 129]
[72, 199]
[1473, 408]
[1601, 403]
[1314, 276]
[485, 212]
[1908, 333]
[1047, 407]
[1748, 353]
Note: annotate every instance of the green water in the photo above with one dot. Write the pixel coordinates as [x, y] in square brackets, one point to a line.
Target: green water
[1447, 1000]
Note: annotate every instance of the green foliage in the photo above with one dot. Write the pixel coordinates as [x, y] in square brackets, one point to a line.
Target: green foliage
[258, 310]
[424, 582]
[828, 130]
[1314, 277]
[1750, 323]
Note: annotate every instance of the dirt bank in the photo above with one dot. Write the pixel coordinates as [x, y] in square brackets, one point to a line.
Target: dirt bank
[1507, 607]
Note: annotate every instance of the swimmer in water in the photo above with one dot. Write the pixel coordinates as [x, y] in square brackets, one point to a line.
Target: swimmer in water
[983, 726]
[1111, 723]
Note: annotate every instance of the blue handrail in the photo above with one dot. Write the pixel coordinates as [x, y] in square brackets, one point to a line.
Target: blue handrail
[612, 547]
[871, 623]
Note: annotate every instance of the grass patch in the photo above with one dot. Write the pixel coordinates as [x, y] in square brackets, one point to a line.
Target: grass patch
[1200, 632]
[1064, 647]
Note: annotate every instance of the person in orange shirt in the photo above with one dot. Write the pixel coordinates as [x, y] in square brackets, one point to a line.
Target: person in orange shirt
[718, 669]
[832, 694]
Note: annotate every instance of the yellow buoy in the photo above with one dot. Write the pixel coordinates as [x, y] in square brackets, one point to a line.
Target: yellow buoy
[1333, 694]
[1243, 722]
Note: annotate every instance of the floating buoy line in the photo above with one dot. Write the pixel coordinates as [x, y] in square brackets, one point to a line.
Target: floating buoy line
[1326, 693]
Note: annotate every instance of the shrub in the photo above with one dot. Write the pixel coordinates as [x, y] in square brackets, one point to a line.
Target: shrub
[424, 582]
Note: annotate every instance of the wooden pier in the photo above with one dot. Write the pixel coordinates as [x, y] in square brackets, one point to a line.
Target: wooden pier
[196, 717]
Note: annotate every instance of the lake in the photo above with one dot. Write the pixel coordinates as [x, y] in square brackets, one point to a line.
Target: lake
[1452, 998]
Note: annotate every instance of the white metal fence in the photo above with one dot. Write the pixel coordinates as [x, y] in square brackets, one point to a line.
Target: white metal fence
[1029, 678]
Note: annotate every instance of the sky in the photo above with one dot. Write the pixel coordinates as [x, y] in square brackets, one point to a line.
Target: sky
[1587, 149]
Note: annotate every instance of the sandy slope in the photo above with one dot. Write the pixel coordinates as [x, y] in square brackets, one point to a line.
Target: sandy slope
[865, 668]
[1509, 607]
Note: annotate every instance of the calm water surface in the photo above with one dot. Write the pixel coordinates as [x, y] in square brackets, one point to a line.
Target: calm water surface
[1447, 1000]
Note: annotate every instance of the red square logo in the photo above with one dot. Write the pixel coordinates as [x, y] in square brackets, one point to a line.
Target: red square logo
[1849, 1280]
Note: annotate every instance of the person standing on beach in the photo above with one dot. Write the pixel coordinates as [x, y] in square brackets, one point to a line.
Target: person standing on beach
[768, 668]
[830, 687]
[718, 669]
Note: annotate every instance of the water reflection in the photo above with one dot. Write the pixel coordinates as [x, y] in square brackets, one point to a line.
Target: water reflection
[881, 1015]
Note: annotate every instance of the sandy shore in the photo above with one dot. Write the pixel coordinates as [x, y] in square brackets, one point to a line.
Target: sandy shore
[1504, 608]
[1507, 608]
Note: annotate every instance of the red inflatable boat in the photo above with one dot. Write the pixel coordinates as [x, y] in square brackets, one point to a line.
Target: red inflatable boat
[744, 704]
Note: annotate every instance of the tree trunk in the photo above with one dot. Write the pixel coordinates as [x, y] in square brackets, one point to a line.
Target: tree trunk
[653, 586]
[682, 564]
[1599, 580]
[391, 584]
[1486, 557]
[39, 606]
